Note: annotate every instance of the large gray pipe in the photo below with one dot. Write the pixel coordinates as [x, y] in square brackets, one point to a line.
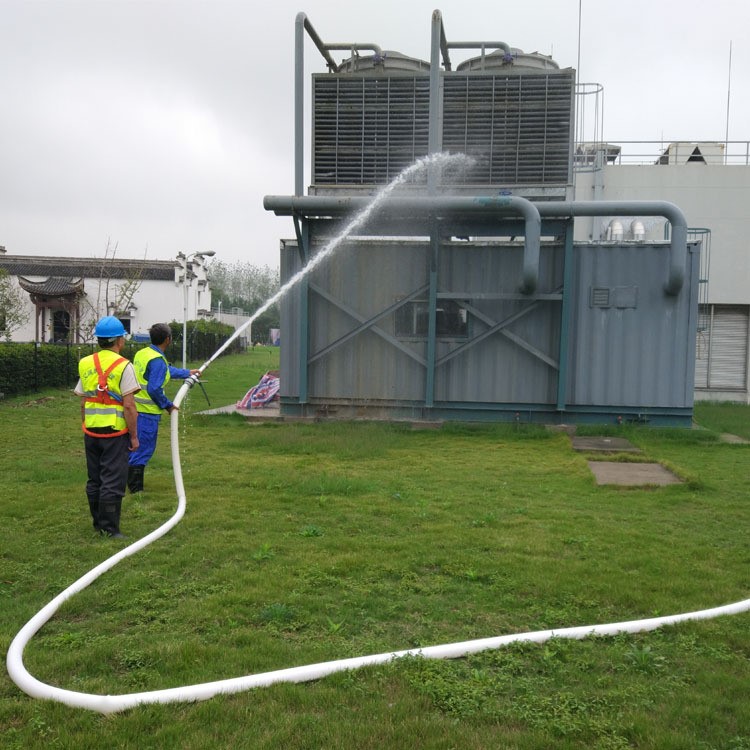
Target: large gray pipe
[312, 205]
[678, 248]
[332, 206]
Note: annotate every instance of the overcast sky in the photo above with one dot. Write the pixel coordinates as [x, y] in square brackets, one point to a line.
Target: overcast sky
[159, 125]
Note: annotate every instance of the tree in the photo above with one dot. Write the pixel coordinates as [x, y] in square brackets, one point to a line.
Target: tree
[13, 311]
[247, 287]
[110, 298]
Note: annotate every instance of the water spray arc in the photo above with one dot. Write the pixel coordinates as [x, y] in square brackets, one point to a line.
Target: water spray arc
[107, 704]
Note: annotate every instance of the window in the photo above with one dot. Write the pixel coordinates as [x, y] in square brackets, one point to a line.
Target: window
[412, 319]
[61, 325]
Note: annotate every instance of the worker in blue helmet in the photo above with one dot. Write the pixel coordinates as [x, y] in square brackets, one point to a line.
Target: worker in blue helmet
[107, 385]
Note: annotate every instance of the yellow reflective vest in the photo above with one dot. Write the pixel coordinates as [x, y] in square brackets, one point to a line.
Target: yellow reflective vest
[100, 375]
[143, 401]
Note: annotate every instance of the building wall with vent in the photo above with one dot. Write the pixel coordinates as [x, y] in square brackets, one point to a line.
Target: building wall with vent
[714, 196]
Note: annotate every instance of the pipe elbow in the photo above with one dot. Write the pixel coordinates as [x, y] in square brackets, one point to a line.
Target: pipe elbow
[678, 259]
[678, 249]
[531, 247]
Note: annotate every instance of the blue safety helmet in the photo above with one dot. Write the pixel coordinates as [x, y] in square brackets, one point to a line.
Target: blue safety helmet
[109, 327]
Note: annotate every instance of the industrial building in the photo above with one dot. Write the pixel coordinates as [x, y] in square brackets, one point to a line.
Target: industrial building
[504, 292]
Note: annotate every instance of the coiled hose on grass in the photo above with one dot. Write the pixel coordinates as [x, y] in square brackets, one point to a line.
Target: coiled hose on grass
[112, 703]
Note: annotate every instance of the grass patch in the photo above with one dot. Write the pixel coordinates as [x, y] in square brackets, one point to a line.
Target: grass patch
[310, 542]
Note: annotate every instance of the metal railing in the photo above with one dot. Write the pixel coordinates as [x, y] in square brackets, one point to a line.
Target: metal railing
[587, 154]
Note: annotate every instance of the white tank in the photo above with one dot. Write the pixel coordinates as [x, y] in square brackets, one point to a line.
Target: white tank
[518, 61]
[638, 230]
[615, 230]
[386, 61]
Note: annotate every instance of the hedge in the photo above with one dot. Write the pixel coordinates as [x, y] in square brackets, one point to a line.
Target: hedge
[30, 367]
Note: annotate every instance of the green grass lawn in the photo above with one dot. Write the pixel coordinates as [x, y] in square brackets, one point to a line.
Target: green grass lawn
[311, 542]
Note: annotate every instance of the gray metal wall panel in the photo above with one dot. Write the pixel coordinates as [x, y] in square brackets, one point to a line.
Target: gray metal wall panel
[498, 370]
[364, 280]
[639, 355]
[637, 350]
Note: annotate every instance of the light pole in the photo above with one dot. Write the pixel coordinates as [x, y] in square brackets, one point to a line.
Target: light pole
[185, 263]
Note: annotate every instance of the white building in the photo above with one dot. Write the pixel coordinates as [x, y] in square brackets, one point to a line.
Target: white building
[65, 297]
[710, 183]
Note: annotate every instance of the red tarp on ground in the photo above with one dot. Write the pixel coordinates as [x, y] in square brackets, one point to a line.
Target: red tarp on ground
[264, 393]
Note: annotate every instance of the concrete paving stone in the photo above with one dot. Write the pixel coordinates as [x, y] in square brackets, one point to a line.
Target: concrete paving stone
[632, 474]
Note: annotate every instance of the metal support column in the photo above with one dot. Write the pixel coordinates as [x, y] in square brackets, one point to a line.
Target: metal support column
[565, 309]
[429, 399]
[304, 314]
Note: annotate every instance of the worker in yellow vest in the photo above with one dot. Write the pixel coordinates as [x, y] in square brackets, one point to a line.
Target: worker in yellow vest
[153, 373]
[107, 385]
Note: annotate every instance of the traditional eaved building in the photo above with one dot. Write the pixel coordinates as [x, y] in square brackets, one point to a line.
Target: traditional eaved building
[65, 296]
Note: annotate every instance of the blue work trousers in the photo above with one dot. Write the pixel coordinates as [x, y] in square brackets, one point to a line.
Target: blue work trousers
[148, 431]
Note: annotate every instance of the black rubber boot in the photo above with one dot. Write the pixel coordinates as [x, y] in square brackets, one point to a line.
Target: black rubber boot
[94, 508]
[135, 478]
[109, 516]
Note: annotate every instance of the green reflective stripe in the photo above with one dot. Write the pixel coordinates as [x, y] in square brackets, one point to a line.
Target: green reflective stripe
[140, 400]
[96, 412]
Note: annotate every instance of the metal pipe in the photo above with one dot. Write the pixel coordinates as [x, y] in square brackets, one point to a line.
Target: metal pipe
[303, 22]
[678, 247]
[504, 46]
[332, 206]
[299, 103]
[353, 48]
[435, 130]
[424, 205]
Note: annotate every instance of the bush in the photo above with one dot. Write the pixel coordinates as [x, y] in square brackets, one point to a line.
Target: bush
[204, 337]
[30, 367]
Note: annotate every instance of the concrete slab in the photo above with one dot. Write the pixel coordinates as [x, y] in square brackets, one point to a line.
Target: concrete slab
[601, 444]
[632, 474]
[726, 437]
[267, 412]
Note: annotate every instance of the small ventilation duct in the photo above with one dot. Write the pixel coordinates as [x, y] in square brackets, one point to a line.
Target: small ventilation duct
[638, 230]
[615, 231]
